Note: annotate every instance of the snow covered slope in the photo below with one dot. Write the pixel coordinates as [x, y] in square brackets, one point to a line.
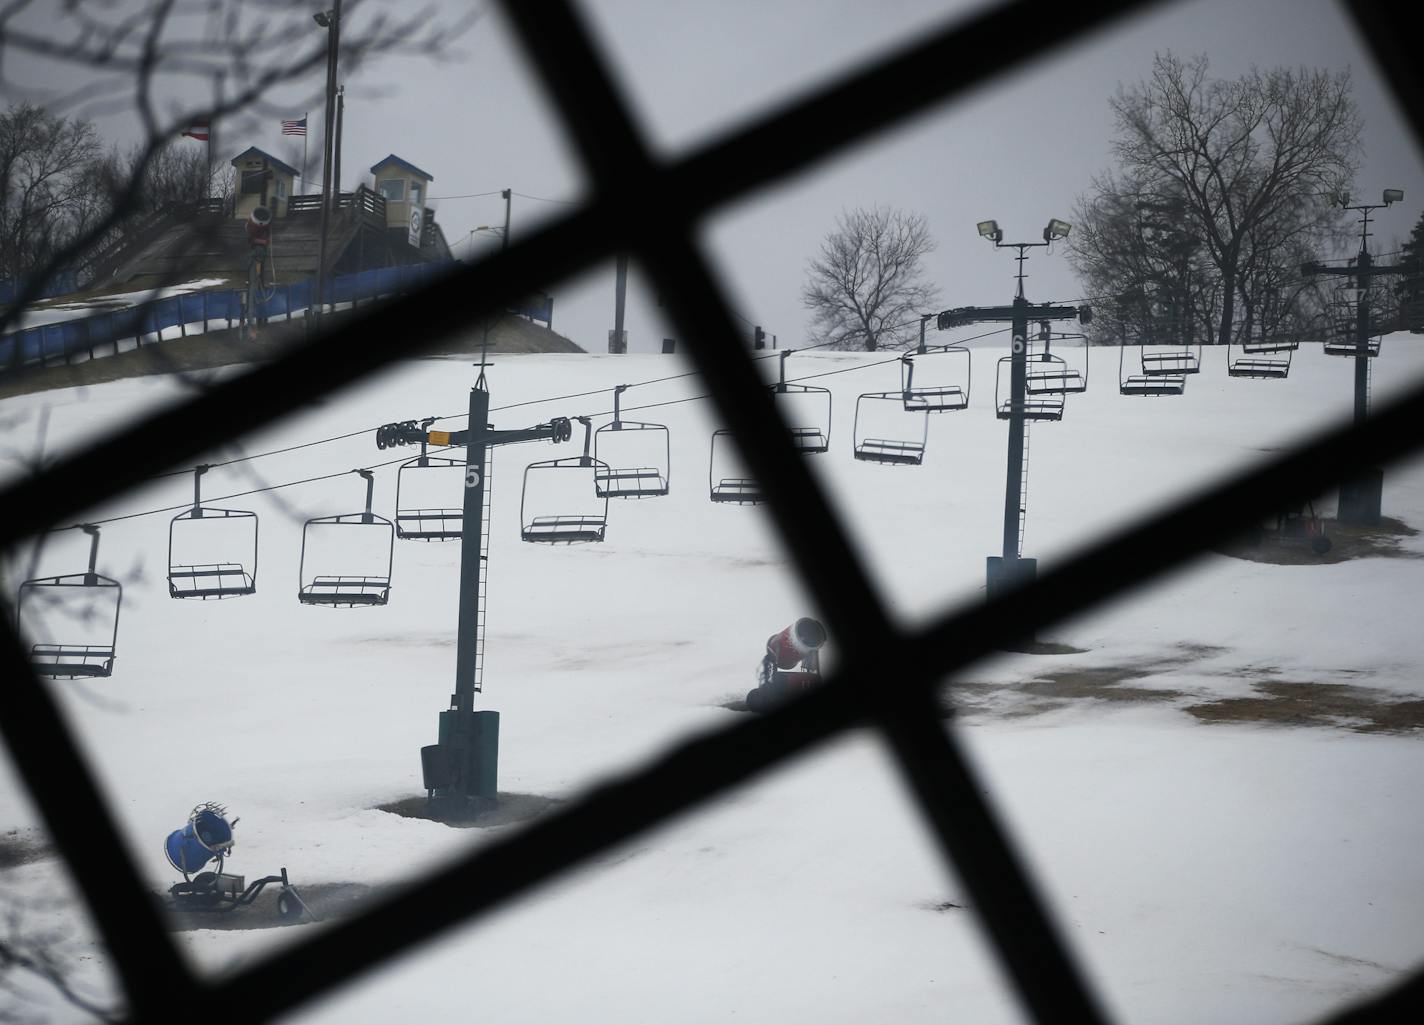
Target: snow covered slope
[1210, 861]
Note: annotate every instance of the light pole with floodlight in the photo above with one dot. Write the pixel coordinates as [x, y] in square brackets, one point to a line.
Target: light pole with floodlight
[1361, 496]
[1009, 569]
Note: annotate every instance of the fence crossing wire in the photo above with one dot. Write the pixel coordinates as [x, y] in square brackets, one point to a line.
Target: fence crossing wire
[962, 822]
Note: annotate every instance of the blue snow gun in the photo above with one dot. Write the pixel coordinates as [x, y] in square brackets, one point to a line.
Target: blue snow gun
[207, 838]
[206, 835]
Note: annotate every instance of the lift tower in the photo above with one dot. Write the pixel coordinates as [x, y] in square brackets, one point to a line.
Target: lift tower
[1361, 495]
[462, 767]
[1009, 569]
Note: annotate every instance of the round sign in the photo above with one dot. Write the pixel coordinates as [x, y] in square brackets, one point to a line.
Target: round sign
[415, 222]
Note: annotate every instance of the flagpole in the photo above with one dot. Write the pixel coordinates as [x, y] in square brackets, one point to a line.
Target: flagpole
[306, 133]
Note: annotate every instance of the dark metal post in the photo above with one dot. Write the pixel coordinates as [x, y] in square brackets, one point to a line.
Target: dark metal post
[1013, 491]
[924, 319]
[332, 22]
[1362, 339]
[198, 472]
[336, 149]
[507, 194]
[617, 343]
[467, 638]
[92, 577]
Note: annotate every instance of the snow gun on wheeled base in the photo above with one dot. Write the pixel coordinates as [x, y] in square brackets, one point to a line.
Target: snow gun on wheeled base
[778, 676]
[207, 837]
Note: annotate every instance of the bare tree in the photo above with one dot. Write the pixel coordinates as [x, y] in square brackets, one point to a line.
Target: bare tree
[1246, 166]
[867, 289]
[177, 62]
[44, 188]
[173, 64]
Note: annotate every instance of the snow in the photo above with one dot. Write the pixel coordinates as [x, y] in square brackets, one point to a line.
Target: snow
[54, 311]
[1241, 872]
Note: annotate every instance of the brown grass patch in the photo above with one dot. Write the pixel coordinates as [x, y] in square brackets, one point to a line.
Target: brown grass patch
[1294, 703]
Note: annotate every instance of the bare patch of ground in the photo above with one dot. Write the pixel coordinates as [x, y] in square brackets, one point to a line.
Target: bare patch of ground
[504, 810]
[1303, 703]
[1346, 542]
[1275, 701]
[1050, 691]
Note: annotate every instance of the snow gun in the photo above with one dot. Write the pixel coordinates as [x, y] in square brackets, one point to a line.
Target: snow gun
[777, 676]
[208, 837]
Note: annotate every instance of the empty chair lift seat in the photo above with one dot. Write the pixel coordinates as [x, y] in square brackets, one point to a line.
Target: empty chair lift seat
[346, 591]
[634, 458]
[726, 482]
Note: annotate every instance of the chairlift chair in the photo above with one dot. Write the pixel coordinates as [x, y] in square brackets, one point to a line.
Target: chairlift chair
[217, 579]
[811, 437]
[416, 521]
[567, 527]
[733, 490]
[1050, 374]
[1149, 385]
[903, 450]
[944, 373]
[349, 590]
[1343, 310]
[1045, 405]
[1265, 356]
[618, 478]
[81, 600]
[1170, 360]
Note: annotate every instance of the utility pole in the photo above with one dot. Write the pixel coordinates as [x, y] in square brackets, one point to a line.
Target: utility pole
[1009, 570]
[617, 340]
[336, 149]
[331, 21]
[504, 241]
[1361, 496]
[462, 768]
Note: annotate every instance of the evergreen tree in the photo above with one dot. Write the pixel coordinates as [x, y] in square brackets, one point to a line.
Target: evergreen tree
[1411, 285]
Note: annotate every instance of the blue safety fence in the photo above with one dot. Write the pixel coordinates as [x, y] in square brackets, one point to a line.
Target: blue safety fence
[60, 284]
[200, 310]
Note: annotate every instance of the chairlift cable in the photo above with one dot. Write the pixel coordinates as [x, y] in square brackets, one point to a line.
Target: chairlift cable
[239, 494]
[457, 416]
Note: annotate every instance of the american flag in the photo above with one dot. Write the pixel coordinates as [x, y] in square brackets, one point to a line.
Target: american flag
[298, 127]
[197, 130]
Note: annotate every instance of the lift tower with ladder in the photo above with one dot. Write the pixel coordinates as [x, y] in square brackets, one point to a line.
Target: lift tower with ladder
[1009, 569]
[1361, 495]
[462, 768]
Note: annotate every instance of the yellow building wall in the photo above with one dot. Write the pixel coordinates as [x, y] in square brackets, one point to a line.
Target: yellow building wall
[274, 193]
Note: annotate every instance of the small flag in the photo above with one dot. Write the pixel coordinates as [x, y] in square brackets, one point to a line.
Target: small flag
[197, 130]
[298, 127]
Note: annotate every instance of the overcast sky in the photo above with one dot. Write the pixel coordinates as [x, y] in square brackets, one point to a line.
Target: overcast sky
[1019, 151]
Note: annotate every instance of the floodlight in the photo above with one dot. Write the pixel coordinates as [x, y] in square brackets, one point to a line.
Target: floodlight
[990, 230]
[1056, 229]
[1393, 196]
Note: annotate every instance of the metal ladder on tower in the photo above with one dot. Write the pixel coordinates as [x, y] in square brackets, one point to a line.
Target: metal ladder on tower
[483, 598]
[1023, 489]
[1369, 384]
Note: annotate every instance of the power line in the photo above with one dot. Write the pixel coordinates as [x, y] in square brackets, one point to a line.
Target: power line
[545, 199]
[469, 195]
[239, 494]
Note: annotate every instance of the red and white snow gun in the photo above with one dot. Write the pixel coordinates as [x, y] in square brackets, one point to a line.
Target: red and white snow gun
[778, 675]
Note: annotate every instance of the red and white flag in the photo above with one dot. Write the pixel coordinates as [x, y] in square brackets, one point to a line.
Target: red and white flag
[197, 130]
